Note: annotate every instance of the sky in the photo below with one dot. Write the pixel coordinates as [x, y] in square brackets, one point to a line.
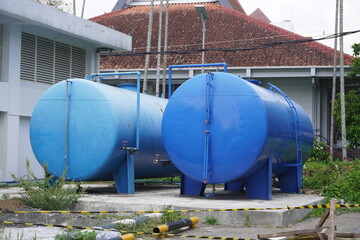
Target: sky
[310, 18]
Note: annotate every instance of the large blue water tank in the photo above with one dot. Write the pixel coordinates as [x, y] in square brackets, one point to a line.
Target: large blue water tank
[90, 126]
[219, 128]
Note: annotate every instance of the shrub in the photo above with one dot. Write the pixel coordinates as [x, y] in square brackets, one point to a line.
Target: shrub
[79, 235]
[211, 220]
[48, 193]
[319, 153]
[334, 179]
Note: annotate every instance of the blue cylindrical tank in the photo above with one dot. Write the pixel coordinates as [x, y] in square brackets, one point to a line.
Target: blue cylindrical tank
[219, 128]
[90, 125]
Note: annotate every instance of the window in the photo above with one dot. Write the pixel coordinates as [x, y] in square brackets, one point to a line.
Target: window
[47, 61]
[2, 33]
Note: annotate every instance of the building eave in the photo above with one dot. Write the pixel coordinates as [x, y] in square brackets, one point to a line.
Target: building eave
[31, 12]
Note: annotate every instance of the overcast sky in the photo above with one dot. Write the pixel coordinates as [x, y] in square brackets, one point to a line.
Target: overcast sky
[311, 18]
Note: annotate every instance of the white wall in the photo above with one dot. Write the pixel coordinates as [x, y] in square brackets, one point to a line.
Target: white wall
[298, 89]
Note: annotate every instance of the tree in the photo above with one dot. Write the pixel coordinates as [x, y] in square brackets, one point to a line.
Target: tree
[352, 117]
[59, 4]
[355, 62]
[352, 104]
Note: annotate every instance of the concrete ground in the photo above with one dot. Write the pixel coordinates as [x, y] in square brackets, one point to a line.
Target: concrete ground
[151, 197]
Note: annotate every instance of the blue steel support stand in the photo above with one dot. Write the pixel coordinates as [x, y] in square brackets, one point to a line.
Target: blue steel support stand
[124, 176]
[191, 187]
[234, 186]
[259, 185]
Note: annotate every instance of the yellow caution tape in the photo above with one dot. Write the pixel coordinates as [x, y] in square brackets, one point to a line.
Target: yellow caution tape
[197, 210]
[114, 230]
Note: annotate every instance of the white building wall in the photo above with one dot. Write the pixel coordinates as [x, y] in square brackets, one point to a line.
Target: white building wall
[299, 90]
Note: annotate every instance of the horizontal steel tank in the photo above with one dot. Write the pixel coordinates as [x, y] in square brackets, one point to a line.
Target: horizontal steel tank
[219, 128]
[83, 127]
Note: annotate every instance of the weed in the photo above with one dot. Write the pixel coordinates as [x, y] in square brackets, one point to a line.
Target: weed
[46, 194]
[169, 217]
[336, 179]
[247, 221]
[78, 235]
[5, 197]
[211, 220]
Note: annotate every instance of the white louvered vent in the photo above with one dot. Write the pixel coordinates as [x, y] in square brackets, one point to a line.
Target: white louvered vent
[2, 34]
[78, 63]
[47, 61]
[62, 62]
[28, 56]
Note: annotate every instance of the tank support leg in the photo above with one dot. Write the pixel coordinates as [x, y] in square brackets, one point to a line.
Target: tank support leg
[289, 182]
[234, 186]
[191, 187]
[259, 185]
[124, 176]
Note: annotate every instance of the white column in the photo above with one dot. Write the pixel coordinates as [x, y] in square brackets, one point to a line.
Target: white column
[12, 66]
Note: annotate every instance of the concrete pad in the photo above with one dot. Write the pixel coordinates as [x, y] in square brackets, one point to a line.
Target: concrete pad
[160, 197]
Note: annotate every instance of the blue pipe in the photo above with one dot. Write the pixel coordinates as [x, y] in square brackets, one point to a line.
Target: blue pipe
[93, 75]
[190, 66]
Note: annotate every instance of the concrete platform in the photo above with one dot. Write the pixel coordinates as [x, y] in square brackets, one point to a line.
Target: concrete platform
[160, 197]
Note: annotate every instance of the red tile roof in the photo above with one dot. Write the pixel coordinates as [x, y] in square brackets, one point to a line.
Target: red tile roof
[225, 28]
[260, 15]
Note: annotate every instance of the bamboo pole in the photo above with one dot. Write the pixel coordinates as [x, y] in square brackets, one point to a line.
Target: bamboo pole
[333, 93]
[148, 46]
[157, 87]
[342, 85]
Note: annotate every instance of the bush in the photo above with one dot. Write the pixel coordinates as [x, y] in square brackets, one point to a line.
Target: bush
[211, 220]
[79, 235]
[337, 179]
[319, 153]
[48, 193]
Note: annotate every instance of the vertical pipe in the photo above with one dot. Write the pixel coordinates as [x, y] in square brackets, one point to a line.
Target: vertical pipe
[148, 46]
[137, 109]
[66, 127]
[342, 86]
[165, 48]
[333, 93]
[203, 41]
[157, 91]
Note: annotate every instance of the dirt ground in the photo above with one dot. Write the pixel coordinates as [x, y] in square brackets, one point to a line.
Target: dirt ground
[345, 223]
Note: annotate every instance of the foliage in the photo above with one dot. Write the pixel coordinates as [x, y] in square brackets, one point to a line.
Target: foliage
[59, 4]
[147, 226]
[48, 193]
[338, 180]
[247, 221]
[352, 117]
[319, 153]
[169, 217]
[211, 220]
[79, 235]
[355, 62]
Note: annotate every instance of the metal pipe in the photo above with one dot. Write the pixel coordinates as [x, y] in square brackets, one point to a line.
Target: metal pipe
[190, 66]
[93, 75]
[176, 225]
